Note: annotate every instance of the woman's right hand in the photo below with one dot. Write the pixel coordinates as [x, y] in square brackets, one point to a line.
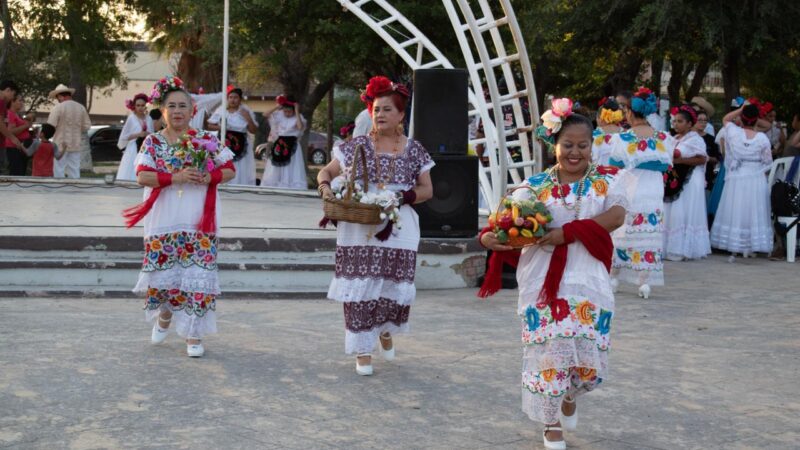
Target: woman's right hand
[489, 240]
[327, 193]
[190, 175]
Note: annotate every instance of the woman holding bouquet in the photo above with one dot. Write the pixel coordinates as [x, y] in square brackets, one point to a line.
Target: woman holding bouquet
[565, 298]
[375, 264]
[180, 168]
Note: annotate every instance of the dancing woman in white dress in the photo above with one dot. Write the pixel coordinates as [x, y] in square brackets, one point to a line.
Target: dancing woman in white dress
[609, 116]
[742, 224]
[685, 221]
[137, 126]
[286, 166]
[240, 125]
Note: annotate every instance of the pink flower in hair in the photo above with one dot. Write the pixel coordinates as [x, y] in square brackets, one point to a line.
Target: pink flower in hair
[562, 107]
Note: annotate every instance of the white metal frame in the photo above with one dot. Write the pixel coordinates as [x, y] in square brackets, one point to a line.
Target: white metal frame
[493, 179]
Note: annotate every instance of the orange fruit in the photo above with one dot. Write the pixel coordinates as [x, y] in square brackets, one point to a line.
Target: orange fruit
[513, 232]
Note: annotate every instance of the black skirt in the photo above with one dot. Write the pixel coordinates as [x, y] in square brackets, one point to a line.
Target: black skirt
[282, 150]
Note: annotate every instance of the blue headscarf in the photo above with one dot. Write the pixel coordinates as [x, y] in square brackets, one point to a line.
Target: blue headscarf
[646, 106]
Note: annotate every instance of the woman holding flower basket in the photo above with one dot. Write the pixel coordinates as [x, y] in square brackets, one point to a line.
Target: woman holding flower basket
[375, 264]
[565, 299]
[180, 168]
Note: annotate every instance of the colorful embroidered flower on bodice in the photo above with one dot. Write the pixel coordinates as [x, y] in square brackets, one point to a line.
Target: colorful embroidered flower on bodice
[650, 153]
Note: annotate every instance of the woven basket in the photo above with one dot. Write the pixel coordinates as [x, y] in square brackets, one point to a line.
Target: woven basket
[519, 241]
[348, 210]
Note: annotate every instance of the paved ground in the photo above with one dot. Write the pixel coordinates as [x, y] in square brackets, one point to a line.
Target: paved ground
[710, 363]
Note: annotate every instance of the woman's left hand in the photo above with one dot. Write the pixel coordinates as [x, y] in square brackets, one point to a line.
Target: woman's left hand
[553, 237]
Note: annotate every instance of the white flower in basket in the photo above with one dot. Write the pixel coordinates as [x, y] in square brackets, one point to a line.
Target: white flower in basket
[388, 200]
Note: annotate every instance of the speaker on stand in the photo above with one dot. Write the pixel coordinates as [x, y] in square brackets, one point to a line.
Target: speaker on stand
[441, 125]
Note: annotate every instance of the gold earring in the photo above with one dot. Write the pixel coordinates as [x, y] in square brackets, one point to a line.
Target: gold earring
[400, 129]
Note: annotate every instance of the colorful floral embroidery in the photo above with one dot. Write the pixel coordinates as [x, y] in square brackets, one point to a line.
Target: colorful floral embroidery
[162, 251]
[645, 222]
[557, 382]
[641, 150]
[638, 259]
[192, 303]
[597, 183]
[566, 318]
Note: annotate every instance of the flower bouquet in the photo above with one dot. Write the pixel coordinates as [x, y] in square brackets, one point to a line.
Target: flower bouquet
[191, 151]
[520, 223]
[386, 200]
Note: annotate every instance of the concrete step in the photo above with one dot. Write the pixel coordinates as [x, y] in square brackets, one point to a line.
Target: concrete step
[249, 267]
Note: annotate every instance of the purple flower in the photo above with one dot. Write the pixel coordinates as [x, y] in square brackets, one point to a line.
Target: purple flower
[210, 145]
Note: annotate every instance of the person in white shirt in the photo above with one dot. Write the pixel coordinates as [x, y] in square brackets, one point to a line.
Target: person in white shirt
[240, 128]
[72, 122]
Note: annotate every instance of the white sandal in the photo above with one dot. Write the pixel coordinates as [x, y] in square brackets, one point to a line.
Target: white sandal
[388, 355]
[365, 370]
[159, 334]
[553, 445]
[569, 423]
[195, 350]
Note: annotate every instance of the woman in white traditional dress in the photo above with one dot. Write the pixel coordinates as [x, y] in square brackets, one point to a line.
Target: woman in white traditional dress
[565, 299]
[375, 264]
[742, 224]
[609, 116]
[647, 154]
[181, 215]
[240, 127]
[137, 126]
[286, 166]
[685, 213]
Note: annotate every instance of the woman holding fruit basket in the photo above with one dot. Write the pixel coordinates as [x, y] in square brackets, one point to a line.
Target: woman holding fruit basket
[565, 215]
[180, 168]
[375, 264]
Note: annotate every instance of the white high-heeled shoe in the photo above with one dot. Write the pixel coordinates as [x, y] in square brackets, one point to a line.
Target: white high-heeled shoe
[569, 423]
[644, 291]
[388, 355]
[553, 445]
[365, 370]
[195, 350]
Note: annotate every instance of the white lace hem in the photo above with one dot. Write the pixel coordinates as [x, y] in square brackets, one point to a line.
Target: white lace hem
[188, 326]
[739, 240]
[360, 290]
[563, 353]
[187, 279]
[367, 341]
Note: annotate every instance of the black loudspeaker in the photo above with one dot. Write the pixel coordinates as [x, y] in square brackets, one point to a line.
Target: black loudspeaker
[453, 210]
[440, 110]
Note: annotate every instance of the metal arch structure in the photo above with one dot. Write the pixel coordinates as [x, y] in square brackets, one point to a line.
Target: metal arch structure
[470, 28]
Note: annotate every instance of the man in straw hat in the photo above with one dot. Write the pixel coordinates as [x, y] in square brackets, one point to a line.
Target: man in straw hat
[72, 122]
[703, 104]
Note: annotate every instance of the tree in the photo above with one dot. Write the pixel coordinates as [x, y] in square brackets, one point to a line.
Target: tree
[88, 34]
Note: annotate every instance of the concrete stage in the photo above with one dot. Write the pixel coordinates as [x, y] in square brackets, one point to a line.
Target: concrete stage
[60, 237]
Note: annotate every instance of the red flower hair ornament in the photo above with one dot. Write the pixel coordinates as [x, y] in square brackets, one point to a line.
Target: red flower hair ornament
[379, 86]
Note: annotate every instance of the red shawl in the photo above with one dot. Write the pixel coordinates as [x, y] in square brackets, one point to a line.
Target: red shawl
[208, 222]
[594, 237]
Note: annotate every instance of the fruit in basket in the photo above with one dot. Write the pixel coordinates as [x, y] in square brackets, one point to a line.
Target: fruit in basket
[519, 221]
[505, 222]
[527, 224]
[502, 236]
[492, 220]
[541, 218]
[513, 232]
[526, 233]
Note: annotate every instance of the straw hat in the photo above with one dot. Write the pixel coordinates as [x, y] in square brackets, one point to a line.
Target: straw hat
[703, 103]
[60, 89]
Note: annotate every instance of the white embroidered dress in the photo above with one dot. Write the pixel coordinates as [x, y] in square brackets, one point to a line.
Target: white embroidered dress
[246, 165]
[566, 354]
[127, 143]
[638, 245]
[685, 219]
[374, 279]
[743, 220]
[292, 175]
[179, 272]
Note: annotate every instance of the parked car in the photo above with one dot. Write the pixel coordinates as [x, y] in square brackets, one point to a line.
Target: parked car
[316, 153]
[103, 142]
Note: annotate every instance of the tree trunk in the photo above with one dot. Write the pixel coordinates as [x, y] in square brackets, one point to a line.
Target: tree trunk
[330, 116]
[700, 73]
[657, 67]
[675, 81]
[730, 75]
[626, 72]
[76, 82]
[7, 33]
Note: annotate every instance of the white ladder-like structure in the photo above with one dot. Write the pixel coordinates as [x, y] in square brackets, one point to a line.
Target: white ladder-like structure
[402, 36]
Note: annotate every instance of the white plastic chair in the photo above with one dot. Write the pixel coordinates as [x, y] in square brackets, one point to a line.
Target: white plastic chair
[778, 171]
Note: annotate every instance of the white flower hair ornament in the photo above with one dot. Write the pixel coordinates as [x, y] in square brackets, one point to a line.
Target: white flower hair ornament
[553, 118]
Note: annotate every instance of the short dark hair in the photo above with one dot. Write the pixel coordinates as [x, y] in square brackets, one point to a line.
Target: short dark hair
[571, 121]
[8, 84]
[48, 130]
[155, 114]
